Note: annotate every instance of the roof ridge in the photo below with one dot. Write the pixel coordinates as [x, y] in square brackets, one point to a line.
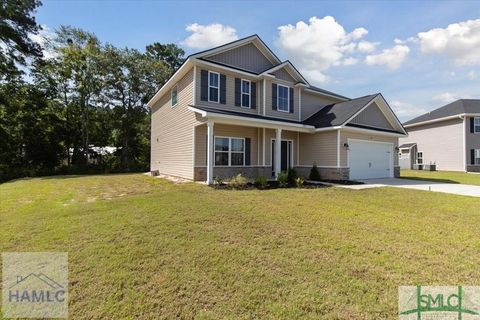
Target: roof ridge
[453, 108]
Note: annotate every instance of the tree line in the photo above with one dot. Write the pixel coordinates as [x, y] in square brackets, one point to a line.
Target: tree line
[72, 104]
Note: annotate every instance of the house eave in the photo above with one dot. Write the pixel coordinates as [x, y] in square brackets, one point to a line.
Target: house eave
[184, 68]
[250, 122]
[373, 131]
[456, 116]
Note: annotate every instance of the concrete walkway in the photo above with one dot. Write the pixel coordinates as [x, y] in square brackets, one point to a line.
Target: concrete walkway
[452, 188]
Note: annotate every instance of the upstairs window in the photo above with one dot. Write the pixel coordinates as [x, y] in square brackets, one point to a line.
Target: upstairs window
[283, 98]
[246, 93]
[476, 125]
[213, 85]
[174, 94]
[419, 157]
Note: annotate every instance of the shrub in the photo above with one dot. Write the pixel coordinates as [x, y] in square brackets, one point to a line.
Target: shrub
[217, 181]
[261, 182]
[238, 181]
[282, 179]
[314, 174]
[291, 176]
[299, 182]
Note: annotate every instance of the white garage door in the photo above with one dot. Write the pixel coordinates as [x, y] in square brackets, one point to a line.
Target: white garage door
[370, 159]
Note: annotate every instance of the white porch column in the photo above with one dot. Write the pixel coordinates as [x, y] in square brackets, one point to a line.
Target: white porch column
[278, 151]
[210, 155]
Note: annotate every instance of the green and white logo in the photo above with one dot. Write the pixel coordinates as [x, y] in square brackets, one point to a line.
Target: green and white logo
[438, 302]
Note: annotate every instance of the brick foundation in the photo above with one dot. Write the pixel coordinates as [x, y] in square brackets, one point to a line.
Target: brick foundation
[325, 173]
[396, 171]
[472, 168]
[200, 173]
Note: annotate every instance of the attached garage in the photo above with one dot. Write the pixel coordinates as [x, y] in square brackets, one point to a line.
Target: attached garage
[370, 159]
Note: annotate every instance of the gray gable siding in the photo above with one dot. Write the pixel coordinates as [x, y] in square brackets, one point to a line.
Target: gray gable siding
[373, 117]
[283, 74]
[312, 103]
[246, 57]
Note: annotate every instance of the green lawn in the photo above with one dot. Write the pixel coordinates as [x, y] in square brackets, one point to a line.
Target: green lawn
[144, 248]
[442, 176]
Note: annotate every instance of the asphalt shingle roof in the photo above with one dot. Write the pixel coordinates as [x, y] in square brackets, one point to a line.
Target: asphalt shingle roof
[328, 116]
[336, 114]
[457, 107]
[407, 145]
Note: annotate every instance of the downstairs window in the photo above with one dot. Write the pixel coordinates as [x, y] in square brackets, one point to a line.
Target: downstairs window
[229, 151]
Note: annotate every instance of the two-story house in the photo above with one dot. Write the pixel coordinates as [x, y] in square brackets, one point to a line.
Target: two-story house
[448, 137]
[238, 109]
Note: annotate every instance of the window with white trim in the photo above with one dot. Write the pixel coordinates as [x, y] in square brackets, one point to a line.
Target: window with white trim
[213, 86]
[404, 153]
[174, 96]
[229, 151]
[246, 88]
[477, 156]
[476, 125]
[283, 98]
[419, 157]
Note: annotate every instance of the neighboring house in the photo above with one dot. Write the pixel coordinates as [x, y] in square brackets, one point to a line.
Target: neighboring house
[238, 109]
[448, 137]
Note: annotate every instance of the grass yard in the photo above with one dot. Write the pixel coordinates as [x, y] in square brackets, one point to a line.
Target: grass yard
[143, 248]
[442, 176]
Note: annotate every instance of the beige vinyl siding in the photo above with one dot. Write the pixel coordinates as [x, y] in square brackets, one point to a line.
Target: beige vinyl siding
[225, 130]
[246, 57]
[345, 135]
[472, 141]
[172, 132]
[372, 116]
[280, 114]
[230, 91]
[441, 143]
[319, 148]
[283, 74]
[312, 103]
[286, 135]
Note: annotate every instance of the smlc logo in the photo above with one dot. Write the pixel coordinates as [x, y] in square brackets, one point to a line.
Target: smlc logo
[439, 302]
[26, 289]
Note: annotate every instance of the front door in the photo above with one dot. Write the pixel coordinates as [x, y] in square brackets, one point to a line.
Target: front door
[286, 156]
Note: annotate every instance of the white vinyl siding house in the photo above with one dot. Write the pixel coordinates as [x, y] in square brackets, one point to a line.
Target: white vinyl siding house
[447, 137]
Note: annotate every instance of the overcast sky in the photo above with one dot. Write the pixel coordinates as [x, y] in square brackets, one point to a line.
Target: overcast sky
[420, 55]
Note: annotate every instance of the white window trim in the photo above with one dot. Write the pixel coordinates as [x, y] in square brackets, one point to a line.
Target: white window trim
[476, 125]
[175, 87]
[229, 152]
[477, 157]
[218, 88]
[278, 98]
[419, 157]
[249, 94]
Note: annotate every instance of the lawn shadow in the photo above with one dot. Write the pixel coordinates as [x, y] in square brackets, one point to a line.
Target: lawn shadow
[67, 176]
[431, 180]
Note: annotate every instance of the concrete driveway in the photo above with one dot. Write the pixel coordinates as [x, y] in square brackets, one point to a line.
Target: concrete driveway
[453, 188]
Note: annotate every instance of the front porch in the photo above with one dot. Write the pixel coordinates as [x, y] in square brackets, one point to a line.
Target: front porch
[254, 151]
[224, 150]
